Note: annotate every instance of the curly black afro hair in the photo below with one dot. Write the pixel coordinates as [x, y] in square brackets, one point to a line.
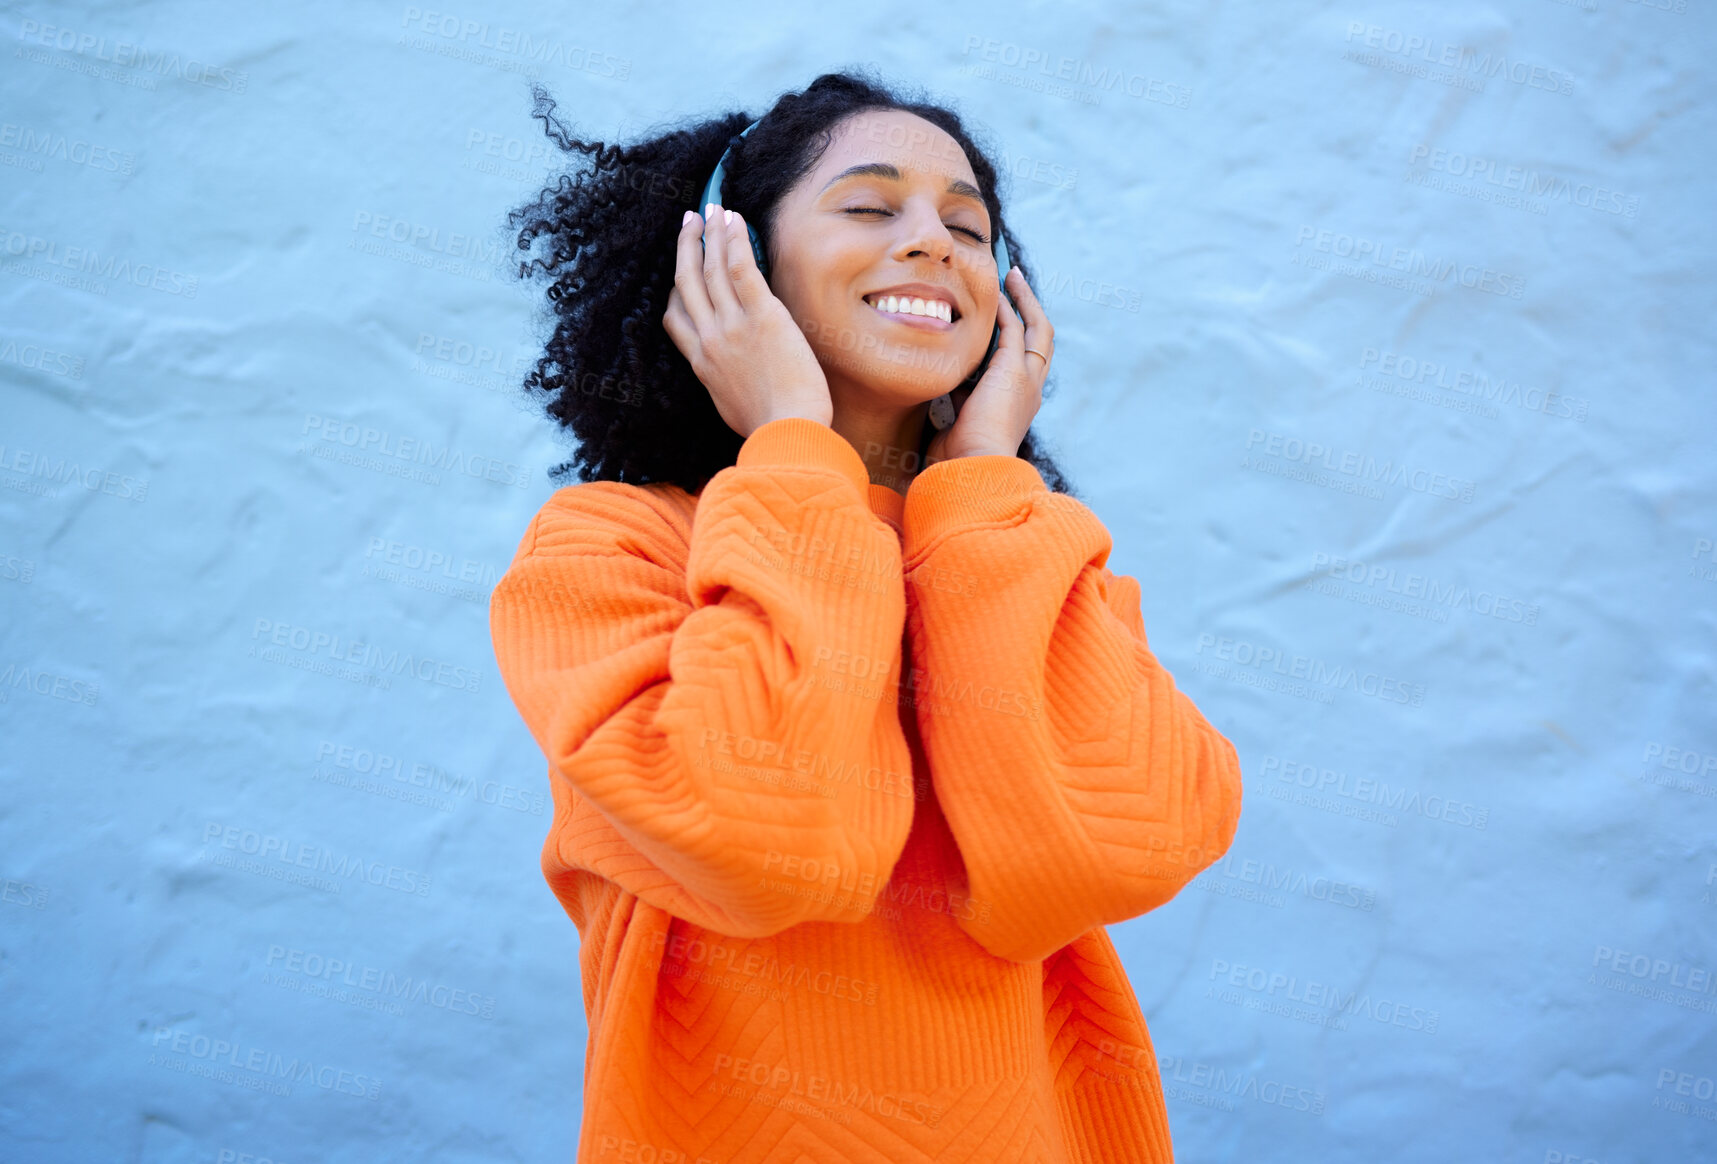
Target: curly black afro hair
[610, 372]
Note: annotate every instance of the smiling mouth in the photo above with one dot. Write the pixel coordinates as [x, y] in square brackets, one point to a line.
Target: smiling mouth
[912, 307]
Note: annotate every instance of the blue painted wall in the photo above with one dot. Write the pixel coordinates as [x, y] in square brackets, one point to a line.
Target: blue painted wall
[1384, 350]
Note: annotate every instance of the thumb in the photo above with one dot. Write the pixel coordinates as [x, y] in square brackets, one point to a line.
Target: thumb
[936, 450]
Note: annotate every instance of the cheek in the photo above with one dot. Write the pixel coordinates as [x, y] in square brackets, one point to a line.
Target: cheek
[987, 319]
[987, 295]
[812, 285]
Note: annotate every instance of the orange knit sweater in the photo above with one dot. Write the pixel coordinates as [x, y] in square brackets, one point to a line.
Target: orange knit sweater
[847, 785]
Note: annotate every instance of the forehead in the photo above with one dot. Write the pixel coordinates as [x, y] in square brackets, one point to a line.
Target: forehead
[913, 145]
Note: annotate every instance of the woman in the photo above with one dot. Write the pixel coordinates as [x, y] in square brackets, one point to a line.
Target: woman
[854, 751]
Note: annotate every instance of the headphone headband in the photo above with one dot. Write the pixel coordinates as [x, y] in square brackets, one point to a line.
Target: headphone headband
[712, 193]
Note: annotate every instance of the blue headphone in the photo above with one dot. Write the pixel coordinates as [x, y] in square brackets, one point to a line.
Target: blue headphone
[942, 408]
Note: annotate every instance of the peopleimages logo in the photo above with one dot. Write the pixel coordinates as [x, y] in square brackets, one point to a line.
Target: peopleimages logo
[1268, 879]
[1697, 979]
[413, 451]
[906, 1107]
[21, 676]
[42, 359]
[46, 143]
[42, 469]
[1359, 249]
[310, 642]
[1527, 182]
[1218, 1084]
[269, 1065]
[1477, 64]
[298, 855]
[460, 38]
[1420, 372]
[1681, 759]
[311, 965]
[34, 249]
[1314, 670]
[1372, 791]
[423, 236]
[1322, 996]
[1077, 71]
[363, 768]
[125, 54]
[1422, 587]
[1362, 466]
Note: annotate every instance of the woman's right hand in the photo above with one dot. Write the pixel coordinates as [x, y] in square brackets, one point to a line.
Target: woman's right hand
[740, 340]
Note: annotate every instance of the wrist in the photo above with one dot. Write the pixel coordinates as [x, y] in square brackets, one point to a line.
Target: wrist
[822, 412]
[970, 450]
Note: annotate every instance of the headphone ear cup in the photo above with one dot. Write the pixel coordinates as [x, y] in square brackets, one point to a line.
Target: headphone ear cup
[757, 250]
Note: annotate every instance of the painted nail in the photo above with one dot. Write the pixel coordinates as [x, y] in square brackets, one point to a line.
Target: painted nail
[687, 218]
[729, 216]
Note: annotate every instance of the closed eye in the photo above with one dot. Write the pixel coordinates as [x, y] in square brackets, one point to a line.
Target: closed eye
[879, 210]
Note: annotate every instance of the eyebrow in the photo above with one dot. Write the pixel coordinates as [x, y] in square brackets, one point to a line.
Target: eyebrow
[888, 170]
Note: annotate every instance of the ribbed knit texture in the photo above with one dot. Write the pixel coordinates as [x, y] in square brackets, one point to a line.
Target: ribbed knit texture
[846, 787]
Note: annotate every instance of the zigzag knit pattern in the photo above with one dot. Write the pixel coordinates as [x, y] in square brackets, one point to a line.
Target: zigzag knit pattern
[847, 785]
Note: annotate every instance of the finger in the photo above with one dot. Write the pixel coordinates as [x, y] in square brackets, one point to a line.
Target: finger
[716, 278]
[1013, 331]
[1039, 332]
[1017, 371]
[742, 264]
[679, 327]
[689, 277]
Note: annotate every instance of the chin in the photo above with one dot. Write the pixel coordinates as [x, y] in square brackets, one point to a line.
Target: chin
[911, 373]
[903, 377]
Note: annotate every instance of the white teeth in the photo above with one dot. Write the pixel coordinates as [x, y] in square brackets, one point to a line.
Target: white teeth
[898, 305]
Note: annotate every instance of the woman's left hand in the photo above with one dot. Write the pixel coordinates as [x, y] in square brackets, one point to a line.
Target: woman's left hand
[995, 414]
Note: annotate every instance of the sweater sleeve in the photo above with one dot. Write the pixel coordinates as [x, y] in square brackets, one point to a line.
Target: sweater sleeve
[708, 751]
[1081, 786]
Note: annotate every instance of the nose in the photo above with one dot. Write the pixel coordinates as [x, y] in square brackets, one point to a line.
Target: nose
[922, 234]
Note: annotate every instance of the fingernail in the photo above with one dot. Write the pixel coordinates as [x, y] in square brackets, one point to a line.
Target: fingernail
[729, 217]
[709, 211]
[687, 218]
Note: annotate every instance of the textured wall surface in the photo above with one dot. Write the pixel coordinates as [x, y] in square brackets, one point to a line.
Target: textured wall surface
[1384, 351]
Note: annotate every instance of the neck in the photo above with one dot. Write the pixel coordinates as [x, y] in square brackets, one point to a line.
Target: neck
[888, 439]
